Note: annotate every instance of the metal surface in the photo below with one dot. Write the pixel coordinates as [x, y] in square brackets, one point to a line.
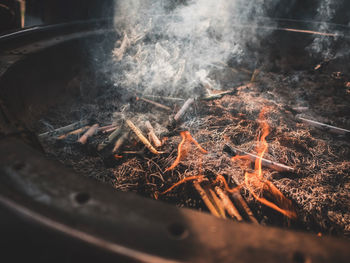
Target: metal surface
[49, 213]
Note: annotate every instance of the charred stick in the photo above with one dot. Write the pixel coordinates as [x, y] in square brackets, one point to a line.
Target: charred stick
[325, 127]
[264, 162]
[227, 203]
[76, 132]
[238, 198]
[214, 96]
[205, 199]
[156, 104]
[110, 129]
[64, 129]
[90, 132]
[183, 109]
[163, 98]
[141, 137]
[109, 140]
[119, 143]
[152, 135]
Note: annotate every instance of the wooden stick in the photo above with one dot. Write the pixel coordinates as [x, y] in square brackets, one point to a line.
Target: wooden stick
[163, 98]
[110, 129]
[141, 137]
[109, 140]
[238, 198]
[76, 132]
[152, 134]
[119, 143]
[254, 75]
[156, 104]
[229, 206]
[118, 53]
[90, 132]
[325, 127]
[64, 129]
[104, 128]
[205, 199]
[216, 201]
[264, 162]
[183, 109]
[214, 96]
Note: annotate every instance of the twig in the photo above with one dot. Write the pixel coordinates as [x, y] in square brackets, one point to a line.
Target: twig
[118, 53]
[216, 201]
[110, 139]
[64, 129]
[76, 132]
[227, 203]
[264, 162]
[325, 127]
[90, 132]
[244, 205]
[183, 109]
[163, 98]
[214, 96]
[104, 128]
[205, 199]
[156, 104]
[254, 75]
[120, 142]
[152, 134]
[141, 137]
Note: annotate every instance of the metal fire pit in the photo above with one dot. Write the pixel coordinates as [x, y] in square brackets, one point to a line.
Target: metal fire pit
[48, 213]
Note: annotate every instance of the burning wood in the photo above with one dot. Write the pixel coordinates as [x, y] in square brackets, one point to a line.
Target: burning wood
[64, 129]
[154, 138]
[325, 127]
[183, 109]
[76, 132]
[239, 154]
[141, 137]
[90, 132]
[161, 106]
[110, 139]
[227, 203]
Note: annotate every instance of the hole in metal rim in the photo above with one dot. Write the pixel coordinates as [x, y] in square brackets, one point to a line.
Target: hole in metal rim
[82, 198]
[177, 231]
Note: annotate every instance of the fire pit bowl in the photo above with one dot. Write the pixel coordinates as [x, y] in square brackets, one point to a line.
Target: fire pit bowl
[50, 213]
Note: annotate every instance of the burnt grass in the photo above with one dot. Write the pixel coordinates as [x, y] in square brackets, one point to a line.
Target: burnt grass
[319, 189]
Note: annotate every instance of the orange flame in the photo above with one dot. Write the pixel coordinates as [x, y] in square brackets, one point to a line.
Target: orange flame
[186, 179]
[182, 149]
[255, 181]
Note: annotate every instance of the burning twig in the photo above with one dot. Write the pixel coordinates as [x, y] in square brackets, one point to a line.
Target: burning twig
[325, 127]
[186, 179]
[76, 132]
[109, 140]
[118, 53]
[215, 200]
[206, 199]
[90, 132]
[183, 109]
[119, 143]
[64, 129]
[153, 135]
[239, 154]
[227, 203]
[141, 137]
[155, 104]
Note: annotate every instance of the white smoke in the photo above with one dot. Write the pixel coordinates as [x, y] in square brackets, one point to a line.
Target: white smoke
[172, 49]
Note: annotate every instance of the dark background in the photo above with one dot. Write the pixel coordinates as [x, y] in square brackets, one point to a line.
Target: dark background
[15, 14]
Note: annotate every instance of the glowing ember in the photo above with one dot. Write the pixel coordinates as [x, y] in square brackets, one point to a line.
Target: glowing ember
[184, 147]
[257, 184]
